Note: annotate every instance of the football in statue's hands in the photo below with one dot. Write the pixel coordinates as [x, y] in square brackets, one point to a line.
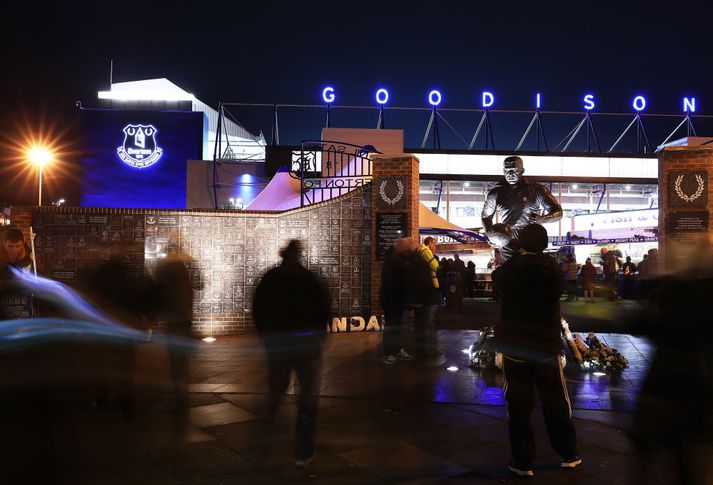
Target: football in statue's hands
[499, 235]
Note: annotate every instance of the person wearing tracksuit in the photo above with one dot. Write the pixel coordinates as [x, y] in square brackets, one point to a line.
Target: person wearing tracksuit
[528, 335]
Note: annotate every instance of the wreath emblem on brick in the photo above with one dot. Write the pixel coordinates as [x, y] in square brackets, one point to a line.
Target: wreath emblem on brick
[386, 198]
[682, 195]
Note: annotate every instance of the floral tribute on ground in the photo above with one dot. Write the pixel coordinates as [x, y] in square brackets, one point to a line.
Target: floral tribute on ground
[589, 354]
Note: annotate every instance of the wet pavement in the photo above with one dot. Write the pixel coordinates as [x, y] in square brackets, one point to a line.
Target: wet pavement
[377, 423]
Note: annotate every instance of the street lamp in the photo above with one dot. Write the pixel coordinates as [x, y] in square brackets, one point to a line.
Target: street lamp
[39, 156]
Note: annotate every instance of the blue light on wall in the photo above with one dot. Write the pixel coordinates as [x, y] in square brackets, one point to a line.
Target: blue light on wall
[689, 105]
[247, 190]
[639, 103]
[159, 144]
[434, 98]
[589, 102]
[382, 96]
[328, 94]
[488, 99]
[538, 101]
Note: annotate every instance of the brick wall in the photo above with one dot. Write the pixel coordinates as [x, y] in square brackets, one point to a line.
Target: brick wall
[230, 250]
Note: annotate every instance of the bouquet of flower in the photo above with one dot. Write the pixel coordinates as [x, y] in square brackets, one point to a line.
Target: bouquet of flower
[591, 353]
[603, 357]
[480, 353]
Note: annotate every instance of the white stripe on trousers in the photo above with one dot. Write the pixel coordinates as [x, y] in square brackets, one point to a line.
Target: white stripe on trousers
[564, 385]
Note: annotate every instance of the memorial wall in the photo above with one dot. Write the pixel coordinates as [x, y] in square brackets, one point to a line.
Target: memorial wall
[230, 251]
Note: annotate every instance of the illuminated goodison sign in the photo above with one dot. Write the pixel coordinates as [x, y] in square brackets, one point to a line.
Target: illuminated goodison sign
[487, 99]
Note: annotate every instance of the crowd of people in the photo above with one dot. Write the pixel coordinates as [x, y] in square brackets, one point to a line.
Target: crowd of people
[619, 279]
[413, 281]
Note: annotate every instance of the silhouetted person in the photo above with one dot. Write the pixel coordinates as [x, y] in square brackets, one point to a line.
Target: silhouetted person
[675, 407]
[119, 296]
[393, 294]
[470, 279]
[569, 268]
[643, 267]
[291, 308]
[425, 336]
[628, 270]
[174, 300]
[529, 336]
[588, 273]
[611, 263]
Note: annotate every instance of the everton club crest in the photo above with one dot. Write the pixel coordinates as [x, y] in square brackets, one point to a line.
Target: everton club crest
[139, 148]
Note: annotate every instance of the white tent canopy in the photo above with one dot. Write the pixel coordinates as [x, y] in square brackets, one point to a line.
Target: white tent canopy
[283, 193]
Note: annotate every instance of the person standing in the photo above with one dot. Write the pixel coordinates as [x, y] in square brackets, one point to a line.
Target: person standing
[291, 308]
[569, 268]
[629, 269]
[643, 267]
[425, 336]
[470, 279]
[588, 273]
[174, 297]
[529, 337]
[610, 267]
[392, 298]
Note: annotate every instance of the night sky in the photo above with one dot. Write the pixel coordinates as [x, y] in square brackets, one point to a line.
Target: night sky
[269, 52]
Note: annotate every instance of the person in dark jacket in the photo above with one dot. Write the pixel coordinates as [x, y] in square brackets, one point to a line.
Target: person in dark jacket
[528, 335]
[393, 294]
[119, 296]
[675, 405]
[173, 291]
[291, 308]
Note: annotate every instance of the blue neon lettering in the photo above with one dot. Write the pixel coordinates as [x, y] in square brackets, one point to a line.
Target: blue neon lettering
[328, 94]
[639, 103]
[382, 96]
[589, 102]
[488, 99]
[434, 97]
[689, 105]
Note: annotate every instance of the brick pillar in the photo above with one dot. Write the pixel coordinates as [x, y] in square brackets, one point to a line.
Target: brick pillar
[394, 206]
[21, 218]
[684, 198]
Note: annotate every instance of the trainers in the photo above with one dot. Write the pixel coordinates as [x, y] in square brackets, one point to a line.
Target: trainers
[520, 471]
[403, 355]
[572, 462]
[389, 359]
[304, 462]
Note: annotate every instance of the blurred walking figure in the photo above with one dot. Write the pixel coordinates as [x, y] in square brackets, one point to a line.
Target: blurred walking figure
[173, 291]
[529, 336]
[675, 408]
[569, 268]
[425, 336]
[122, 298]
[611, 263]
[588, 273]
[393, 295]
[291, 308]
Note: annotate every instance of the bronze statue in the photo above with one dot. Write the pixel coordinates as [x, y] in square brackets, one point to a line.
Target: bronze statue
[518, 203]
